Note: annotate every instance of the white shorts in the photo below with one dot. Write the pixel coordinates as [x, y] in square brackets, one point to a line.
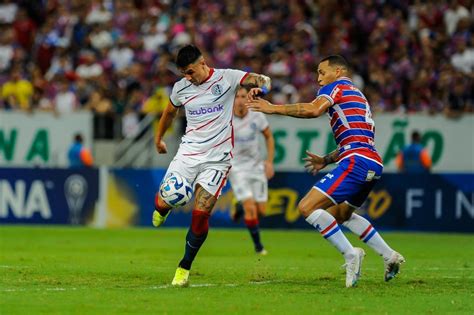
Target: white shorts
[249, 185]
[211, 176]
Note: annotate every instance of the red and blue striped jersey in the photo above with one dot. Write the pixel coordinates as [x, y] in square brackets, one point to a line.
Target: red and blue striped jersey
[351, 120]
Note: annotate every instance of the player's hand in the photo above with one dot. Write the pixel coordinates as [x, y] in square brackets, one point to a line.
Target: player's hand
[254, 93]
[314, 163]
[269, 171]
[260, 105]
[161, 146]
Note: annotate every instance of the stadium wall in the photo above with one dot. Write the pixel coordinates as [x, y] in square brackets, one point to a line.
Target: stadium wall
[42, 139]
[450, 142]
[115, 198]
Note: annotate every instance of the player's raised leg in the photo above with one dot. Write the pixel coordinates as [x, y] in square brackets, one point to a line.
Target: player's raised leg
[252, 223]
[344, 213]
[312, 208]
[197, 234]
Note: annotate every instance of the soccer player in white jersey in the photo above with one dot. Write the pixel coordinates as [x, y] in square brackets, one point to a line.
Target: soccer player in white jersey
[250, 173]
[203, 158]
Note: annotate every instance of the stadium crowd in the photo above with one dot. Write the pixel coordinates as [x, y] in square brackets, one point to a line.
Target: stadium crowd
[115, 57]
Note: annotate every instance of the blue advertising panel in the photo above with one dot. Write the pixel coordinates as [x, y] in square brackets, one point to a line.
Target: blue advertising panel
[428, 202]
[48, 196]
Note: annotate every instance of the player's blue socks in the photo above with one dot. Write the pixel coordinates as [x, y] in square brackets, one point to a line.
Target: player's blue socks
[326, 224]
[252, 226]
[367, 233]
[196, 236]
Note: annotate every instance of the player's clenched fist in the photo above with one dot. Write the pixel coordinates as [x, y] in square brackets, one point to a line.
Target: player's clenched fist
[161, 146]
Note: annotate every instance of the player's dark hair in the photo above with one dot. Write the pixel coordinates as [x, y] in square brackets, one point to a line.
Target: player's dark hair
[416, 137]
[336, 60]
[187, 55]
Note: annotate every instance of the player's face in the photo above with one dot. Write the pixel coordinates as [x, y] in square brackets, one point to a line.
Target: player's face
[240, 110]
[195, 72]
[327, 74]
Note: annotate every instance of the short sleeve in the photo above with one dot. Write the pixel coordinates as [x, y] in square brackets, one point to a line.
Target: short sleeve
[331, 92]
[235, 77]
[174, 96]
[262, 121]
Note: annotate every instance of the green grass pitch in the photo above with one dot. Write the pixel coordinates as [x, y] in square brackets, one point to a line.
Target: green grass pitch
[61, 270]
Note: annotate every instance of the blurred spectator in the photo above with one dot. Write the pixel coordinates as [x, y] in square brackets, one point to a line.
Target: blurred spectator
[408, 56]
[41, 102]
[121, 55]
[60, 65]
[101, 37]
[453, 14]
[17, 92]
[78, 155]
[25, 29]
[6, 49]
[65, 101]
[98, 103]
[458, 98]
[90, 68]
[8, 9]
[414, 158]
[463, 58]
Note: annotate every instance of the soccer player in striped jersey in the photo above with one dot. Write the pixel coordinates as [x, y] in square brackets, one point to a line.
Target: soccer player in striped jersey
[203, 158]
[250, 173]
[334, 198]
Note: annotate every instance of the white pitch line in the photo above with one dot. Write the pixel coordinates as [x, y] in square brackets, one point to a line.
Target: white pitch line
[155, 287]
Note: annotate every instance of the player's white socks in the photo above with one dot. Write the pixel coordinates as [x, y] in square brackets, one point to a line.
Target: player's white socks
[366, 232]
[325, 223]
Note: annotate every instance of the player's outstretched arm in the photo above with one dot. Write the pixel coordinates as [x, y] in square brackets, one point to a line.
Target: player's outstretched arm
[315, 163]
[165, 122]
[300, 110]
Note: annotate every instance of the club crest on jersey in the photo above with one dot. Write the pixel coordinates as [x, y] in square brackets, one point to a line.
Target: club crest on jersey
[217, 89]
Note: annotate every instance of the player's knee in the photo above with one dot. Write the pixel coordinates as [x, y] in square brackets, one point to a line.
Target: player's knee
[250, 210]
[160, 205]
[344, 216]
[305, 208]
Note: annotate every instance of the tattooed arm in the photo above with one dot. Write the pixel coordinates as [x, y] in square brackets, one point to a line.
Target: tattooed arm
[300, 110]
[257, 84]
[257, 80]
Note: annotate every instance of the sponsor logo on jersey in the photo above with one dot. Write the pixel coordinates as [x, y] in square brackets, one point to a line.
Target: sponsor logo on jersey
[217, 89]
[204, 110]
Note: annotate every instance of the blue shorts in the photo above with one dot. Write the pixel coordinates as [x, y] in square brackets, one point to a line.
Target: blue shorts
[351, 181]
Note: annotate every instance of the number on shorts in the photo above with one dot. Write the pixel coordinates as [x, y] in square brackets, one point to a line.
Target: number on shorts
[216, 178]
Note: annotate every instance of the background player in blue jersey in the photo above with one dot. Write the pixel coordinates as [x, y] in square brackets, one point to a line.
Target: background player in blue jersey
[334, 198]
